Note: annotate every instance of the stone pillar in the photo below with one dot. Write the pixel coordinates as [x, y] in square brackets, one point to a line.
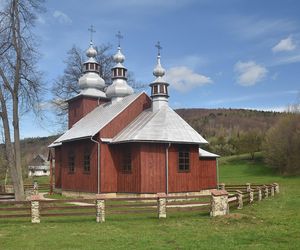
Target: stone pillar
[162, 205]
[222, 186]
[239, 199]
[276, 188]
[266, 191]
[259, 194]
[248, 187]
[251, 195]
[100, 208]
[272, 190]
[35, 209]
[219, 203]
[35, 188]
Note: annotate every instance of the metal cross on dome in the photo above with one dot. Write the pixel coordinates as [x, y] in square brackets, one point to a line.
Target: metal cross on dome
[159, 48]
[119, 36]
[91, 29]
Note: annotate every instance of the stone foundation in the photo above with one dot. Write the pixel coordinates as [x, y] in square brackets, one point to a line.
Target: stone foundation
[131, 195]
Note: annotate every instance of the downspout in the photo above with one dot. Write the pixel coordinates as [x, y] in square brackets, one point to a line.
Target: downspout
[167, 168]
[218, 181]
[98, 165]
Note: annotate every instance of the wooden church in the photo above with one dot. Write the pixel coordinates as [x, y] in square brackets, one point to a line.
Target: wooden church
[119, 141]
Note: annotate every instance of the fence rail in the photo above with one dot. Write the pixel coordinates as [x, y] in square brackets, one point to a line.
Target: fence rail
[218, 203]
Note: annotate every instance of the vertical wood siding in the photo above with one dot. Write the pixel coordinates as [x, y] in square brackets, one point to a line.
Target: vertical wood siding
[202, 173]
[80, 106]
[129, 182]
[79, 181]
[58, 166]
[153, 178]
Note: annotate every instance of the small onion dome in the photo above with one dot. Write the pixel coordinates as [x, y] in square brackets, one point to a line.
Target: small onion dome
[119, 88]
[119, 57]
[159, 71]
[91, 51]
[91, 80]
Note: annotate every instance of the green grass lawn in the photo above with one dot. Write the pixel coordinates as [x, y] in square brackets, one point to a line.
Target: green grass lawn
[271, 224]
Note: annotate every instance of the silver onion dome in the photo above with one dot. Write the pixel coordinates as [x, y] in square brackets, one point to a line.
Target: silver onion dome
[119, 88]
[91, 80]
[119, 57]
[91, 51]
[159, 71]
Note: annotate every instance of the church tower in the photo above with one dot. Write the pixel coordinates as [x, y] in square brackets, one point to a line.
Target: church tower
[91, 87]
[159, 87]
[119, 87]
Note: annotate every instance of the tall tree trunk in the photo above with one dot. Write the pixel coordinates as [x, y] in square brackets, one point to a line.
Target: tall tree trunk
[19, 187]
[17, 181]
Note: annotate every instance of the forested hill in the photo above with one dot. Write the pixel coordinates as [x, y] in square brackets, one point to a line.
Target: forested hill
[227, 122]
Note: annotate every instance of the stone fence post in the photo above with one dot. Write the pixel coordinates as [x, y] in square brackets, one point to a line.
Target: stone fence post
[219, 203]
[266, 191]
[251, 195]
[272, 190]
[276, 188]
[35, 188]
[222, 186]
[100, 208]
[162, 205]
[248, 187]
[35, 209]
[239, 199]
[259, 194]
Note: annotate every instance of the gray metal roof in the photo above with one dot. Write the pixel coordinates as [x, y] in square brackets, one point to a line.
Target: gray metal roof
[94, 121]
[164, 125]
[205, 154]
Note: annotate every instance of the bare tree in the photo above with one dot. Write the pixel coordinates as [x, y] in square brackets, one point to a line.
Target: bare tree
[19, 79]
[66, 86]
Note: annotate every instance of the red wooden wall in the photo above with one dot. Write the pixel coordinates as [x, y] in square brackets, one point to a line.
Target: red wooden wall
[58, 167]
[79, 181]
[202, 174]
[153, 162]
[80, 106]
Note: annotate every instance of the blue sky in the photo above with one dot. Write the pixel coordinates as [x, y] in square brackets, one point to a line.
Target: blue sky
[218, 54]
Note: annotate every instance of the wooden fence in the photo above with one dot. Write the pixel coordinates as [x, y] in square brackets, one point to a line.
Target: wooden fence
[6, 191]
[236, 196]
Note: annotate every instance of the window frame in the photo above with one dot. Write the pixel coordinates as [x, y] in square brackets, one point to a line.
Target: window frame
[71, 162]
[87, 154]
[184, 165]
[126, 165]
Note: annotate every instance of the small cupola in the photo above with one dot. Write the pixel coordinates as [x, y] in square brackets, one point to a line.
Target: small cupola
[159, 87]
[91, 81]
[119, 87]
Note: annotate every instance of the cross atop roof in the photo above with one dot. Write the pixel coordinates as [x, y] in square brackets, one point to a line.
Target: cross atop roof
[119, 36]
[159, 48]
[91, 29]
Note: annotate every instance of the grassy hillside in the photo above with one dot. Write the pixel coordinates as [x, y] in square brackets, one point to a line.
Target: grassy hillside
[271, 224]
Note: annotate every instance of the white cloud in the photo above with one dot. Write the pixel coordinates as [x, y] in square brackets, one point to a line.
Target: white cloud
[249, 73]
[284, 45]
[62, 17]
[287, 60]
[184, 79]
